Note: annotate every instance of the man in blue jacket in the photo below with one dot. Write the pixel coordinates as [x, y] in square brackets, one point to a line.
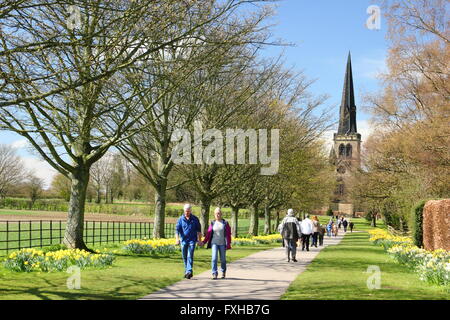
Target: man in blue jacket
[188, 233]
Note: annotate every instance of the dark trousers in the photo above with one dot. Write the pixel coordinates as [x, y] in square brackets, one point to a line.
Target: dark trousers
[291, 247]
[320, 239]
[314, 239]
[305, 241]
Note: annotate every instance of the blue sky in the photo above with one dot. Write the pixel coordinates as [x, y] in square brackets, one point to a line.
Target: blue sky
[323, 32]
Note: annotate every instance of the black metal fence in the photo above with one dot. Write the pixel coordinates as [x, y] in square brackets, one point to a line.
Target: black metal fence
[15, 235]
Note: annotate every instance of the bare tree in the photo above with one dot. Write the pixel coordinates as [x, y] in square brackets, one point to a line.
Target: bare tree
[58, 94]
[205, 68]
[12, 170]
[34, 186]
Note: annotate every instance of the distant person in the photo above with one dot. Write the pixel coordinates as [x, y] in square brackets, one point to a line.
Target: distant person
[218, 238]
[335, 230]
[188, 233]
[315, 234]
[339, 222]
[345, 224]
[351, 225]
[306, 229]
[329, 228]
[290, 230]
[321, 234]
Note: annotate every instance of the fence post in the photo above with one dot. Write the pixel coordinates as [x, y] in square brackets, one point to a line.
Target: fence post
[19, 235]
[30, 234]
[101, 227]
[7, 237]
[93, 235]
[40, 232]
[51, 232]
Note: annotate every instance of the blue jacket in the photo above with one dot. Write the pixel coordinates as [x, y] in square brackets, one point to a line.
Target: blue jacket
[187, 229]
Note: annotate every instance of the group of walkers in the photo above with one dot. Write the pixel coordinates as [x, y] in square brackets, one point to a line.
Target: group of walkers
[333, 226]
[218, 237]
[295, 231]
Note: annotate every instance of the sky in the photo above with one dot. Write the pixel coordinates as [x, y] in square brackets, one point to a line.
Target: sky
[322, 33]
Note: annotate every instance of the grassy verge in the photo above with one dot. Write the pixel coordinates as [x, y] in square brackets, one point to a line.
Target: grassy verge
[131, 277]
[339, 273]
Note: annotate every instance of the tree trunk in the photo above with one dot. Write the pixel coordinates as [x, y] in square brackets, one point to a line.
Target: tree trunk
[205, 204]
[266, 219]
[73, 236]
[277, 222]
[160, 210]
[98, 196]
[254, 220]
[374, 221]
[234, 221]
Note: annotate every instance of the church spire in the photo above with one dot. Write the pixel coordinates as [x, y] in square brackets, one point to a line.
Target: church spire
[347, 116]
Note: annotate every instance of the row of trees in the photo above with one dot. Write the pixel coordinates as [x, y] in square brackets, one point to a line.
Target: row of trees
[125, 75]
[408, 157]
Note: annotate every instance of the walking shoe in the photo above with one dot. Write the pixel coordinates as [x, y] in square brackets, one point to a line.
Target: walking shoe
[214, 277]
[189, 275]
[223, 275]
[288, 260]
[294, 260]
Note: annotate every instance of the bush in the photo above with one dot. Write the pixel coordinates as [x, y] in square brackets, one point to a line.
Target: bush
[417, 224]
[330, 212]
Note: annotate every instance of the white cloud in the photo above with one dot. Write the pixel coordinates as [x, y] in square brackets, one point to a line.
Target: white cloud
[35, 165]
[19, 144]
[40, 168]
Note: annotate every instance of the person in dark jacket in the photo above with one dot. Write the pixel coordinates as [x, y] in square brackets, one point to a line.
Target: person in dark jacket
[345, 224]
[290, 231]
[218, 238]
[321, 234]
[351, 225]
[188, 233]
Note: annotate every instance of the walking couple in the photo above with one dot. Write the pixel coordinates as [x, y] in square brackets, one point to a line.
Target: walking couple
[218, 237]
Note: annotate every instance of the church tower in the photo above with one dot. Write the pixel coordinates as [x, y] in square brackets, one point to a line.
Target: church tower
[345, 155]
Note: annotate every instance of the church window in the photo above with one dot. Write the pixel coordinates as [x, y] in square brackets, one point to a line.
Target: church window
[341, 150]
[341, 189]
[348, 151]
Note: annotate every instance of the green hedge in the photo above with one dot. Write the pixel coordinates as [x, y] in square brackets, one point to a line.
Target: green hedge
[417, 214]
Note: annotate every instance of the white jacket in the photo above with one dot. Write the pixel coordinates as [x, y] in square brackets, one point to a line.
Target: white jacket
[306, 226]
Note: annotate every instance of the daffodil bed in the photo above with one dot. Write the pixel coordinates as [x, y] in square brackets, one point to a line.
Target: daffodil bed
[164, 246]
[153, 246]
[27, 260]
[432, 266]
[272, 238]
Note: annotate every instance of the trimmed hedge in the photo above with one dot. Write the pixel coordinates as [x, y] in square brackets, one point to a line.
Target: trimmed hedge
[417, 213]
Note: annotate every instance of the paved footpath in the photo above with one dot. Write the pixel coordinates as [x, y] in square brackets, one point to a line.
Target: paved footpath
[264, 275]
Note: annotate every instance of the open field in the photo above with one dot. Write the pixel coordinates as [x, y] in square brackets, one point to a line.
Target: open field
[117, 208]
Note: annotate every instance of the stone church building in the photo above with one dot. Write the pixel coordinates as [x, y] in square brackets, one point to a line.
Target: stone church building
[345, 154]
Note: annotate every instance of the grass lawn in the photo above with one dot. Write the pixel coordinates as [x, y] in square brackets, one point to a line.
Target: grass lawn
[339, 273]
[131, 277]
